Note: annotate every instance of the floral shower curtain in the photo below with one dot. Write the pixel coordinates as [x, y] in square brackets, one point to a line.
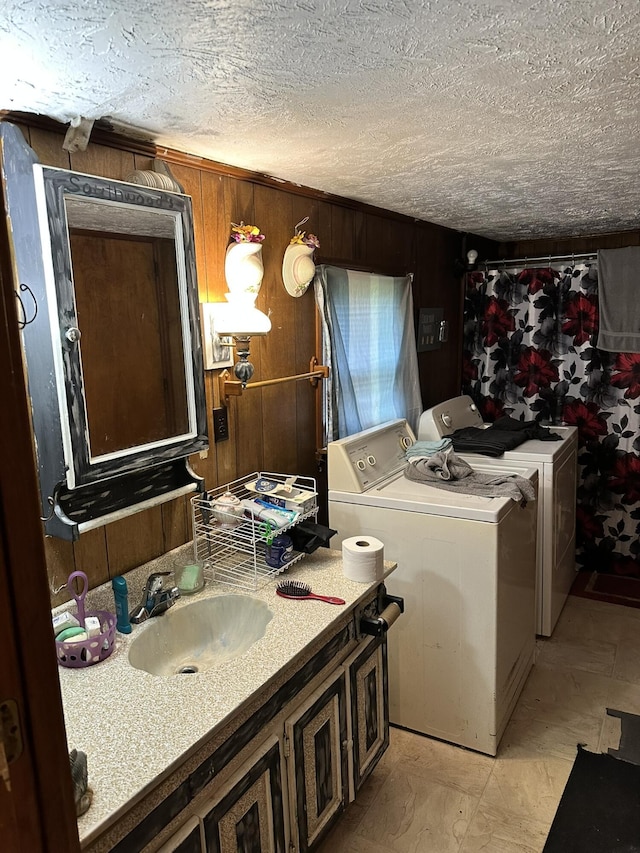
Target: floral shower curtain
[529, 351]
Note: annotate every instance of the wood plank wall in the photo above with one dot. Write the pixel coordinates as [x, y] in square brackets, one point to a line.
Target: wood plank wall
[567, 245]
[271, 429]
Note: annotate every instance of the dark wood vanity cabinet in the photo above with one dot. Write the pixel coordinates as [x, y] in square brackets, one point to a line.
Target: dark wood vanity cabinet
[188, 839]
[334, 740]
[369, 709]
[288, 788]
[248, 814]
[316, 742]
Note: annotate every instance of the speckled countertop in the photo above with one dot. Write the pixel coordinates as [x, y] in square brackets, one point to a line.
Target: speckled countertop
[136, 728]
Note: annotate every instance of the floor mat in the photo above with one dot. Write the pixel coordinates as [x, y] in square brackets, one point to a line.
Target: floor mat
[611, 588]
[600, 808]
[629, 746]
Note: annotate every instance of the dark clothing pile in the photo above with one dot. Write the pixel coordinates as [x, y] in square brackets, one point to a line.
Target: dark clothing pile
[505, 434]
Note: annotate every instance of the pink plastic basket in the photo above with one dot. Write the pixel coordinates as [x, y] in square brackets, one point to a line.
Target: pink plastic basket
[92, 650]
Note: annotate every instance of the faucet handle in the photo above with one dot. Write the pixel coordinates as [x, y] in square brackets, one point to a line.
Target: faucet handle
[154, 582]
[155, 600]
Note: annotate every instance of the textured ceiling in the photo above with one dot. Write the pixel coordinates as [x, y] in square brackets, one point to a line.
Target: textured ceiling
[507, 118]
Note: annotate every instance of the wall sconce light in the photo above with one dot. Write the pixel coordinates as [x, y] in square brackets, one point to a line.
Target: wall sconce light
[239, 318]
[472, 257]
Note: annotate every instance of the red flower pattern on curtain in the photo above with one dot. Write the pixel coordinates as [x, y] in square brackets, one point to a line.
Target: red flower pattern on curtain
[529, 351]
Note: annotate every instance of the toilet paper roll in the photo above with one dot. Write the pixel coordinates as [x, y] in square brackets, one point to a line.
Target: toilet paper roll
[363, 559]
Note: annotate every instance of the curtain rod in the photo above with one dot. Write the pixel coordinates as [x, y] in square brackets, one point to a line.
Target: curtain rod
[544, 259]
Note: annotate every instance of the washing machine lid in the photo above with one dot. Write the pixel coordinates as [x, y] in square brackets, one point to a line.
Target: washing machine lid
[534, 450]
[461, 412]
[398, 492]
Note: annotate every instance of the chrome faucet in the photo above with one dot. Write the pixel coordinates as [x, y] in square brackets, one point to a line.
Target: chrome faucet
[155, 599]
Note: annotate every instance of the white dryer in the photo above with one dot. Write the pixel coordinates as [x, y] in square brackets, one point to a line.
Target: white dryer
[556, 463]
[466, 570]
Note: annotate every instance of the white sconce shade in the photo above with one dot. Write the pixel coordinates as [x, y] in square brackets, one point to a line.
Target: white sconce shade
[239, 317]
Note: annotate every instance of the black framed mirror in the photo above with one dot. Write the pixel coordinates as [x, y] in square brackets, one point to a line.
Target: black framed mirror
[114, 355]
[122, 279]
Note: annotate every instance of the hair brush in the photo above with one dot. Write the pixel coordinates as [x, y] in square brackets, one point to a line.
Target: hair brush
[301, 590]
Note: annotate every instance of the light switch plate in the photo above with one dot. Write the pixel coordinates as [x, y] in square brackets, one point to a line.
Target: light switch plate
[429, 329]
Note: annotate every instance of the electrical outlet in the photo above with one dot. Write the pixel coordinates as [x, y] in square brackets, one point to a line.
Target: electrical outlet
[220, 424]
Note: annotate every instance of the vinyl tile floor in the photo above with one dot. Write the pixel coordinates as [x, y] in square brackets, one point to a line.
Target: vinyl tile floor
[426, 796]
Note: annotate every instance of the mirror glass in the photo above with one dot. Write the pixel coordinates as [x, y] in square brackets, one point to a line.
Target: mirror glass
[131, 348]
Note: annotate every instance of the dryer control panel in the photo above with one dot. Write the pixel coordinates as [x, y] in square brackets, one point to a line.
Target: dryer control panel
[445, 418]
[358, 462]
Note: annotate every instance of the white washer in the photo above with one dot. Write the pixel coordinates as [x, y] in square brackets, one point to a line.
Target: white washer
[556, 462]
[466, 570]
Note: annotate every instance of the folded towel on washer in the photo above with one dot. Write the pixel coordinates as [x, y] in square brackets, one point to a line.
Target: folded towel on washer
[427, 448]
[446, 470]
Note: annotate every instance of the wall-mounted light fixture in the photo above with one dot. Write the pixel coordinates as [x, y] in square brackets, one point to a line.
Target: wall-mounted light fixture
[239, 318]
[466, 261]
[233, 388]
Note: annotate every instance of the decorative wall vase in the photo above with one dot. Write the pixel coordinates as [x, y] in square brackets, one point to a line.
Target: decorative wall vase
[243, 267]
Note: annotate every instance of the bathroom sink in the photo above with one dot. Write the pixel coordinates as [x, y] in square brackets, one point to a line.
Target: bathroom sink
[199, 635]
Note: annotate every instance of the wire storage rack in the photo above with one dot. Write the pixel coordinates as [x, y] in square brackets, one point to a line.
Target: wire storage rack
[231, 538]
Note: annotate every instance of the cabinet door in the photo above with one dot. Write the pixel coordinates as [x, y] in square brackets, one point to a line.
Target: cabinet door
[369, 707]
[186, 840]
[316, 739]
[248, 814]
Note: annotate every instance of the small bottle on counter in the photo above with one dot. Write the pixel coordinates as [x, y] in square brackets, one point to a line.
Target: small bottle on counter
[121, 595]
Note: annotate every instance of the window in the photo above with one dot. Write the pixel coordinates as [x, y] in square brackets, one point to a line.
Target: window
[369, 344]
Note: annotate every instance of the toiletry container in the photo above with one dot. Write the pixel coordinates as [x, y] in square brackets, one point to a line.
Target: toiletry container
[92, 638]
[279, 551]
[227, 510]
[189, 575]
[121, 595]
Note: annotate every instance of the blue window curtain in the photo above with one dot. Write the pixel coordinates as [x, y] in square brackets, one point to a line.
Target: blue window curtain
[369, 344]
